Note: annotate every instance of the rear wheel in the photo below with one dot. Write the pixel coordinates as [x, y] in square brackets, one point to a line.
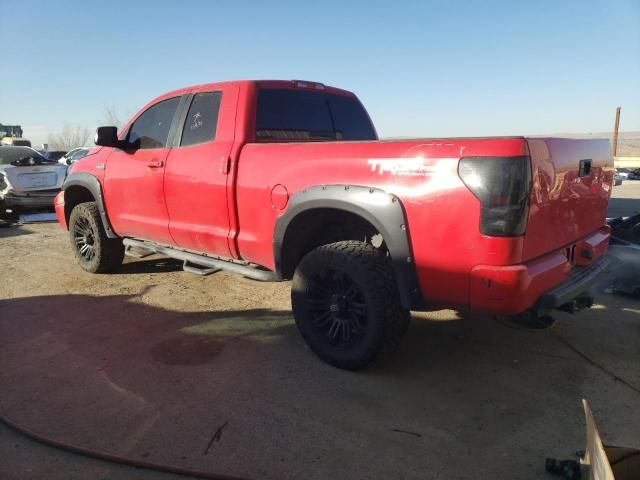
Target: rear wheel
[346, 304]
[95, 252]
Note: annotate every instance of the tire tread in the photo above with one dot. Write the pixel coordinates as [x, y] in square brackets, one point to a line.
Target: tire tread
[111, 252]
[377, 268]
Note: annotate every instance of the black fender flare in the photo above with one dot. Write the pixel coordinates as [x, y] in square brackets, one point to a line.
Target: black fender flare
[381, 209]
[92, 184]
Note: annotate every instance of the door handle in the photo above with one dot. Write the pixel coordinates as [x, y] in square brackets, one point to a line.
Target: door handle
[156, 164]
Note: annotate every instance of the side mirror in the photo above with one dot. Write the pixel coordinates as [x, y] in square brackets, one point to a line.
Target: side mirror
[69, 162]
[106, 137]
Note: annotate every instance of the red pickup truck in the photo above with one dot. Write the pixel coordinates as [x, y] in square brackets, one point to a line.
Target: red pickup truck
[281, 180]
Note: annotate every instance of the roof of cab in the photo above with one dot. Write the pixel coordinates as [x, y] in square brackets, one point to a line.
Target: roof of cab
[293, 84]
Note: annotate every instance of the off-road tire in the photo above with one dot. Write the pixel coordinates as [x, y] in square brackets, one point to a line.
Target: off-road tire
[107, 252]
[370, 271]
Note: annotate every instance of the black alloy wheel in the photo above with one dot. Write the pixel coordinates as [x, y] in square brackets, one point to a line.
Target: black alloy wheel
[95, 252]
[346, 303]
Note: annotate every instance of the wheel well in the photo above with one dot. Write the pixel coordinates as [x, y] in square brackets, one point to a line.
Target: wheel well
[73, 196]
[320, 226]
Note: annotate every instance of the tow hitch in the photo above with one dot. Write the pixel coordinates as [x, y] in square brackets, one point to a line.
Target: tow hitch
[541, 319]
[577, 304]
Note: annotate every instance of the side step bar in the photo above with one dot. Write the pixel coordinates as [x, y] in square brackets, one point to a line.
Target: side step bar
[193, 260]
[198, 270]
[128, 251]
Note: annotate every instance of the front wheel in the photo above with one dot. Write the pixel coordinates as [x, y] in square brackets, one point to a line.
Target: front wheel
[346, 304]
[95, 252]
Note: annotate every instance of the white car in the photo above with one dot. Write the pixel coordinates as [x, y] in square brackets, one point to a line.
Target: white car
[28, 181]
[74, 155]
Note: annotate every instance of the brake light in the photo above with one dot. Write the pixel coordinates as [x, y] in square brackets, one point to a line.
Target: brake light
[502, 184]
[305, 84]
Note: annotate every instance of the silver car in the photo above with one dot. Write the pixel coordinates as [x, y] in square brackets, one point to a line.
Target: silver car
[28, 181]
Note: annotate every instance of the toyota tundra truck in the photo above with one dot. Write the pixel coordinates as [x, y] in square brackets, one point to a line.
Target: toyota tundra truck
[287, 180]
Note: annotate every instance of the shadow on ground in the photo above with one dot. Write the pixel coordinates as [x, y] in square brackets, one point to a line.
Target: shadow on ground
[118, 374]
[623, 207]
[8, 230]
[153, 265]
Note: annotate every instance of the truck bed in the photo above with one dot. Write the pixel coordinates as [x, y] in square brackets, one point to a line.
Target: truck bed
[564, 207]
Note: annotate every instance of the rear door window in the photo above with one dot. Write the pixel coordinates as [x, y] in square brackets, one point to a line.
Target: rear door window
[202, 119]
[13, 154]
[350, 118]
[151, 129]
[299, 115]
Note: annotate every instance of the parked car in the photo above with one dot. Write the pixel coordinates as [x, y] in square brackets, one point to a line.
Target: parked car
[28, 181]
[618, 178]
[282, 180]
[634, 174]
[75, 155]
[54, 154]
[623, 172]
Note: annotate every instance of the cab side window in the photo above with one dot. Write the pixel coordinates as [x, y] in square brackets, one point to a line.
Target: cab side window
[202, 119]
[151, 129]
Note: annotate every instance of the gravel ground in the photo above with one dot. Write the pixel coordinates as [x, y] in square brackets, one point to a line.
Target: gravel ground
[210, 373]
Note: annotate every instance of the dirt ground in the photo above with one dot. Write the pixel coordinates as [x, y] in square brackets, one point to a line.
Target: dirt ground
[210, 373]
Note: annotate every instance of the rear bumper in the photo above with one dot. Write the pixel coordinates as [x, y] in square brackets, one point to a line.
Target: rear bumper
[544, 283]
[581, 280]
[28, 200]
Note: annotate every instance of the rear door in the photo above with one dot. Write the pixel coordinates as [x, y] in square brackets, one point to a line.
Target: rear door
[572, 182]
[133, 182]
[197, 172]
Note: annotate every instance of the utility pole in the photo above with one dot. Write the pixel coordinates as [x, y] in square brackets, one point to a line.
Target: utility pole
[615, 132]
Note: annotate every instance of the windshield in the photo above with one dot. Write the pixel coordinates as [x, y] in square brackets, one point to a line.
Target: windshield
[8, 155]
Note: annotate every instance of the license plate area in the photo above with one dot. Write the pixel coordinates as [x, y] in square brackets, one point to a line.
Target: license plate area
[38, 180]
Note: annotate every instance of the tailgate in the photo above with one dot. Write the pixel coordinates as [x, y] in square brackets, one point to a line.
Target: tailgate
[571, 184]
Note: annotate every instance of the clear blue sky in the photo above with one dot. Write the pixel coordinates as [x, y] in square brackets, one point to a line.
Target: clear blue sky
[422, 68]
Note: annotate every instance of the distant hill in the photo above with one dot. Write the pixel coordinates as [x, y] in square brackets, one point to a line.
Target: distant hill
[628, 142]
